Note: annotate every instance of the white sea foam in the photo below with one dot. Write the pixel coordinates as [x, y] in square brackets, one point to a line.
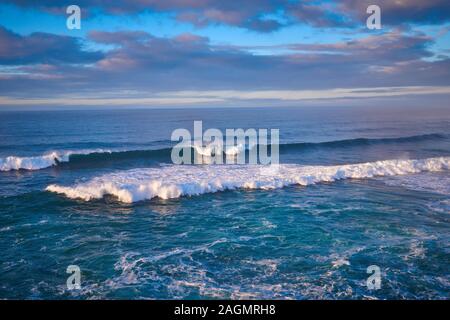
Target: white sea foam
[174, 181]
[234, 150]
[213, 149]
[43, 161]
[51, 158]
[426, 182]
[28, 163]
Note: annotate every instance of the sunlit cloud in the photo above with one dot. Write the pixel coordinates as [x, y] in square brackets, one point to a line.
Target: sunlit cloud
[227, 97]
[312, 51]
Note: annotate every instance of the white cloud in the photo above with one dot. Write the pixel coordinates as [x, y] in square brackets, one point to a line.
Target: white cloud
[185, 98]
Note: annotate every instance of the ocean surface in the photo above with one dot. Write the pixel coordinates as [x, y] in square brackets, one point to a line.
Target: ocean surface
[356, 187]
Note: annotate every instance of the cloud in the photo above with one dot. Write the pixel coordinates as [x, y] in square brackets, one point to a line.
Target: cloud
[43, 67]
[230, 97]
[119, 37]
[400, 12]
[141, 62]
[393, 46]
[43, 48]
[318, 14]
[247, 14]
[252, 14]
[352, 13]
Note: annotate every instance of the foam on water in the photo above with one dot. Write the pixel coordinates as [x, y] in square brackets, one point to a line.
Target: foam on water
[427, 182]
[43, 161]
[174, 181]
[52, 158]
[212, 149]
[28, 163]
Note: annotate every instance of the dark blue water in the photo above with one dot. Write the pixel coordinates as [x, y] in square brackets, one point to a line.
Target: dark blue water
[301, 241]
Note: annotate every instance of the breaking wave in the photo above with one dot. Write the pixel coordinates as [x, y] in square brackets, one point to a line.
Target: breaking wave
[174, 181]
[364, 142]
[55, 158]
[43, 161]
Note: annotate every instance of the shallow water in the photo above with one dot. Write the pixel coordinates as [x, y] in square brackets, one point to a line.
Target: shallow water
[292, 240]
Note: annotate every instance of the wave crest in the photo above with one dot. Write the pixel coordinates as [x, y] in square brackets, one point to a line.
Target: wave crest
[56, 157]
[174, 181]
[44, 161]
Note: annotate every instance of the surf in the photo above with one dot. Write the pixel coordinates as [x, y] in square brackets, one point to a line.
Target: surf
[174, 181]
[46, 160]
[88, 157]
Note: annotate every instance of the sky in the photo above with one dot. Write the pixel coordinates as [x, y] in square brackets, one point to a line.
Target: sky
[176, 53]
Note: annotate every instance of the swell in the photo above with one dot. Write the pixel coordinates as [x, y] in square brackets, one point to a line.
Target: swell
[362, 142]
[87, 157]
[174, 181]
[63, 159]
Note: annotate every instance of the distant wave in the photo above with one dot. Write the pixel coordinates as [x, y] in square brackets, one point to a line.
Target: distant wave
[43, 161]
[85, 156]
[56, 158]
[362, 142]
[174, 181]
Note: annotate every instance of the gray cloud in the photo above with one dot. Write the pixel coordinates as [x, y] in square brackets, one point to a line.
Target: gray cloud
[143, 63]
[43, 48]
[400, 12]
[251, 14]
[247, 14]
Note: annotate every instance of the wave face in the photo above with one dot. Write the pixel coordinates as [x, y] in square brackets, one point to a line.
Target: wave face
[363, 142]
[28, 163]
[44, 161]
[54, 158]
[174, 181]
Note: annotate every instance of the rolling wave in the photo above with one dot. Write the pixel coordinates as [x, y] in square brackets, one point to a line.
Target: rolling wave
[59, 158]
[174, 181]
[363, 142]
[46, 160]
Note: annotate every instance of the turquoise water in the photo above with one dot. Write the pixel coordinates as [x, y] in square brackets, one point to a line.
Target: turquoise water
[310, 241]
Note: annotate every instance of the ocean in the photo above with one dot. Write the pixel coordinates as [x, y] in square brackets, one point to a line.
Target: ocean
[356, 187]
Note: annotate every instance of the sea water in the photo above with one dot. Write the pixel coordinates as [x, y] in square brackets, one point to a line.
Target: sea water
[356, 187]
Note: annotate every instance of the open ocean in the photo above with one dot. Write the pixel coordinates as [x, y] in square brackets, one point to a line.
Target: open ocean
[356, 187]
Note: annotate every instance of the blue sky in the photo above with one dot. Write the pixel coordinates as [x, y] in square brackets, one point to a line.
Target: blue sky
[210, 52]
